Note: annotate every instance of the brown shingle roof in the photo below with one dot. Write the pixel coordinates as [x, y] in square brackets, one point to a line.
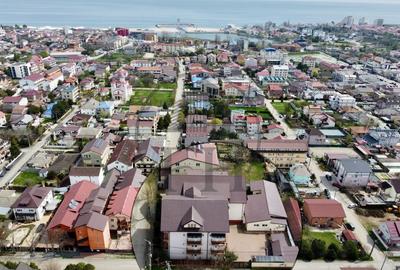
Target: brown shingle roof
[32, 197]
[324, 208]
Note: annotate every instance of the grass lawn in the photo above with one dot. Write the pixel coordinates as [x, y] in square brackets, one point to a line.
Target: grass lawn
[118, 57]
[263, 112]
[283, 107]
[27, 179]
[167, 85]
[252, 171]
[327, 237]
[152, 97]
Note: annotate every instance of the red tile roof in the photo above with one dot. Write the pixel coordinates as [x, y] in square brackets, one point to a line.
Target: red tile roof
[121, 202]
[294, 218]
[324, 208]
[68, 211]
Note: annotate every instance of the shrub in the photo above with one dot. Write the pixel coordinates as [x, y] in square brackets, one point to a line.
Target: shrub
[318, 248]
[350, 250]
[306, 252]
[330, 255]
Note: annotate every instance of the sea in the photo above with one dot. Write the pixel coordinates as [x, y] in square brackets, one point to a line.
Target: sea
[204, 13]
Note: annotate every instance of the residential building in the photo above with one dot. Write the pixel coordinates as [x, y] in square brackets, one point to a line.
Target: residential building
[147, 156]
[10, 102]
[294, 218]
[20, 70]
[70, 92]
[383, 137]
[254, 124]
[389, 231]
[202, 158]
[96, 152]
[316, 137]
[194, 227]
[90, 107]
[94, 175]
[121, 90]
[231, 188]
[264, 210]
[33, 81]
[210, 86]
[4, 150]
[31, 205]
[122, 157]
[280, 71]
[3, 119]
[342, 101]
[283, 153]
[119, 208]
[324, 213]
[142, 128]
[352, 172]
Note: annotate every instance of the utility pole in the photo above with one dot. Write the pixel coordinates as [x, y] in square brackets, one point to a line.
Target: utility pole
[373, 246]
[149, 253]
[384, 261]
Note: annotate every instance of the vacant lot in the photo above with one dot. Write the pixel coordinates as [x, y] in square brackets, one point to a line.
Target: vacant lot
[27, 179]
[283, 107]
[152, 97]
[252, 171]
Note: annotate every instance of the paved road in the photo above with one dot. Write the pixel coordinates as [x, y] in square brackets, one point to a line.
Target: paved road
[101, 261]
[173, 133]
[360, 231]
[32, 150]
[290, 133]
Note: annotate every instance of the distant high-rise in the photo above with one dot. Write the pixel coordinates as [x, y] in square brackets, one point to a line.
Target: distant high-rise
[362, 21]
[348, 21]
[243, 44]
[378, 22]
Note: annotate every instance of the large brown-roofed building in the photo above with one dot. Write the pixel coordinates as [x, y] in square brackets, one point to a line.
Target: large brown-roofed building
[283, 153]
[324, 212]
[95, 152]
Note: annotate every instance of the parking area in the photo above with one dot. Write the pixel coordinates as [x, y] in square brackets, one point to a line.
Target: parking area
[321, 151]
[244, 244]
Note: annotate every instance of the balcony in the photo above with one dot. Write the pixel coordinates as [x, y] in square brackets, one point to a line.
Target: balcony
[217, 248]
[193, 249]
[217, 240]
[194, 240]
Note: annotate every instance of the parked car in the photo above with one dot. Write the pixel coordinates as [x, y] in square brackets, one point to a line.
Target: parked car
[349, 226]
[352, 206]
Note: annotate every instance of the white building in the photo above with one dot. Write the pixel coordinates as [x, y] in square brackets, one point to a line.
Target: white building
[94, 175]
[352, 172]
[30, 206]
[342, 101]
[20, 70]
[121, 90]
[280, 71]
[70, 92]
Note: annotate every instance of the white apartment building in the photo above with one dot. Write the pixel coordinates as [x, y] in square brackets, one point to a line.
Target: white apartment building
[20, 70]
[280, 71]
[341, 101]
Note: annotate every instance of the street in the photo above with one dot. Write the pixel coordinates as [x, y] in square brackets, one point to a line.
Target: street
[290, 133]
[173, 133]
[33, 149]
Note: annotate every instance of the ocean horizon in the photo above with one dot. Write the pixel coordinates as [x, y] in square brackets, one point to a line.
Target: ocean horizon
[206, 13]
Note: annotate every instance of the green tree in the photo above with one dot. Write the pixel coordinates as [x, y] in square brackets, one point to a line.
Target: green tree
[44, 54]
[318, 248]
[306, 252]
[350, 250]
[330, 255]
[34, 266]
[14, 147]
[35, 109]
[165, 106]
[226, 261]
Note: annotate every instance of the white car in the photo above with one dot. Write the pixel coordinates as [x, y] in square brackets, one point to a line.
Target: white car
[352, 206]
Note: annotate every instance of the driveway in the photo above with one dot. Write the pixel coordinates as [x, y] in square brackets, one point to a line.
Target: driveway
[290, 133]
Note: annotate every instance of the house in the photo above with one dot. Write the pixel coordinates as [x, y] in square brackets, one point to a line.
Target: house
[275, 91]
[91, 174]
[142, 129]
[283, 153]
[30, 206]
[22, 122]
[275, 130]
[324, 213]
[341, 101]
[4, 150]
[262, 74]
[196, 129]
[210, 86]
[87, 84]
[231, 188]
[119, 208]
[359, 131]
[89, 133]
[95, 152]
[122, 157]
[194, 227]
[10, 102]
[105, 109]
[316, 137]
[389, 231]
[254, 124]
[383, 137]
[92, 230]
[264, 210]
[352, 172]
[300, 175]
[70, 92]
[310, 110]
[90, 107]
[202, 157]
[322, 120]
[280, 71]
[33, 81]
[147, 156]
